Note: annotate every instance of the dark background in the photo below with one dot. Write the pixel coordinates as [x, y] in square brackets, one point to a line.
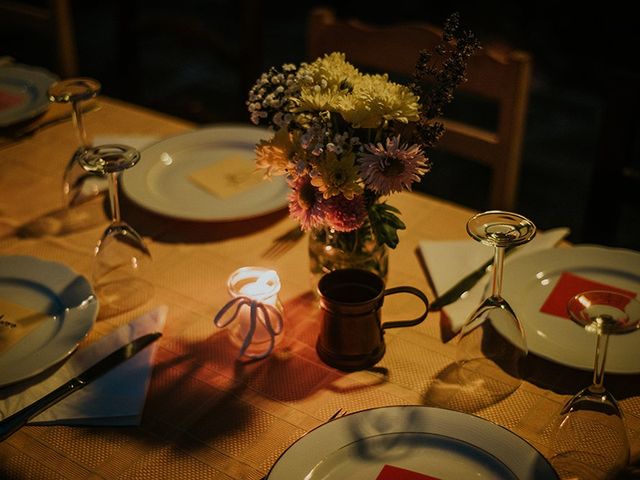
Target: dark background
[196, 59]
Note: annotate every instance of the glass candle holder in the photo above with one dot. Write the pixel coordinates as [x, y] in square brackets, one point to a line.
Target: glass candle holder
[254, 316]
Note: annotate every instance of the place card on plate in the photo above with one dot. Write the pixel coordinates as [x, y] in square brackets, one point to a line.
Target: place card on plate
[389, 472]
[228, 177]
[10, 100]
[570, 285]
[16, 322]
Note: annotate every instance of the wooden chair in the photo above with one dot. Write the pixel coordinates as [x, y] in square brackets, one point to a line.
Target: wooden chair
[500, 75]
[55, 19]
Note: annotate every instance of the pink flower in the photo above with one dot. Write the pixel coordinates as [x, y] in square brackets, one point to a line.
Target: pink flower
[345, 215]
[393, 167]
[305, 203]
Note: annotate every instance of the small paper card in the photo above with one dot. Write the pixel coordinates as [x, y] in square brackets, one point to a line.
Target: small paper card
[228, 177]
[9, 100]
[16, 322]
[390, 472]
[570, 285]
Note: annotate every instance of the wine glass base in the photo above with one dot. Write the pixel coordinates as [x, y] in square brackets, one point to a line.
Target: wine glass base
[605, 312]
[498, 228]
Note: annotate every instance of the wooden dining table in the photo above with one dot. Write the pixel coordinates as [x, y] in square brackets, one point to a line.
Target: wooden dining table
[208, 415]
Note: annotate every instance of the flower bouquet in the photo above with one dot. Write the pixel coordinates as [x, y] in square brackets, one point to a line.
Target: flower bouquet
[347, 140]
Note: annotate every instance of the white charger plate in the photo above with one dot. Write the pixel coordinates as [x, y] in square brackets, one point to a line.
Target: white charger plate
[52, 288]
[432, 441]
[30, 85]
[528, 281]
[160, 181]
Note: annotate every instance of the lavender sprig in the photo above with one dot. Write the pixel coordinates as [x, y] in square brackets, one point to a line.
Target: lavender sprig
[439, 73]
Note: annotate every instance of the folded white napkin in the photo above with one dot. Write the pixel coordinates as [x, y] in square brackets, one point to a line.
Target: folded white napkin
[116, 398]
[449, 261]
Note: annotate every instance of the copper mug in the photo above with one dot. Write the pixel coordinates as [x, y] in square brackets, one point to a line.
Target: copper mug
[352, 333]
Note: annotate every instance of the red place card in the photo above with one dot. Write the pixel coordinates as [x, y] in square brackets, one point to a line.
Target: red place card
[9, 100]
[570, 285]
[390, 472]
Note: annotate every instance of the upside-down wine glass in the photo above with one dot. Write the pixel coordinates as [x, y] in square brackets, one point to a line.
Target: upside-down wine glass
[589, 437]
[121, 255]
[491, 344]
[76, 91]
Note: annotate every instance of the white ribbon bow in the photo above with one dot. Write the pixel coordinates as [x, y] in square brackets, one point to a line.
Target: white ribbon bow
[256, 308]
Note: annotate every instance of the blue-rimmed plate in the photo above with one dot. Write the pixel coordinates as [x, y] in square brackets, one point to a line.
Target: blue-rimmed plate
[64, 296]
[23, 93]
[434, 442]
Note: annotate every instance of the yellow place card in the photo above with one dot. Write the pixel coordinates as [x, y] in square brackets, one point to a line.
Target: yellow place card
[228, 177]
[16, 322]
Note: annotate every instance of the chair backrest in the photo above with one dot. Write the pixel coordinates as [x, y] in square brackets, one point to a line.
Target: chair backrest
[499, 75]
[55, 20]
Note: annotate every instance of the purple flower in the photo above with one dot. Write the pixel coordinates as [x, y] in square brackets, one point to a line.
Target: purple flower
[306, 203]
[393, 167]
[345, 215]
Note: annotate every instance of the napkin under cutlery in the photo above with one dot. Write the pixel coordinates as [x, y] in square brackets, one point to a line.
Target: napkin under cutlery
[117, 398]
[449, 260]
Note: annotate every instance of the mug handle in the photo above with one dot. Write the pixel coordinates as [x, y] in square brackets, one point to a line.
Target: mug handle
[407, 323]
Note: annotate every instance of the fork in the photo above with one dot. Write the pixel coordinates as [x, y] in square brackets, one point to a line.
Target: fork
[283, 243]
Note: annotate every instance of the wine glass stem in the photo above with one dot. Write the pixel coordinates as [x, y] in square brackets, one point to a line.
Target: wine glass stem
[113, 197]
[79, 123]
[602, 342]
[498, 261]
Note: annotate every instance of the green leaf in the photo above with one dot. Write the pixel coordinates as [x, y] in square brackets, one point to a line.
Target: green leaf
[385, 224]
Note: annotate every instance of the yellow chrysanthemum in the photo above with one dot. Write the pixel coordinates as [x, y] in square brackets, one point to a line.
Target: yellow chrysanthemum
[375, 99]
[325, 82]
[332, 71]
[274, 155]
[314, 98]
[334, 175]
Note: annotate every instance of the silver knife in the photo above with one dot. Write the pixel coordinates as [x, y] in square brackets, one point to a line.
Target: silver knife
[464, 285]
[14, 422]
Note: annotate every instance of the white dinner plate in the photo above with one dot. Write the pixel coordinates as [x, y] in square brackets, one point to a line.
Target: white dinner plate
[528, 281]
[160, 181]
[52, 288]
[23, 93]
[440, 443]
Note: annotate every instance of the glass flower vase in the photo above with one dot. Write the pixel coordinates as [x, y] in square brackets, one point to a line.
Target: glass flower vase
[332, 250]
